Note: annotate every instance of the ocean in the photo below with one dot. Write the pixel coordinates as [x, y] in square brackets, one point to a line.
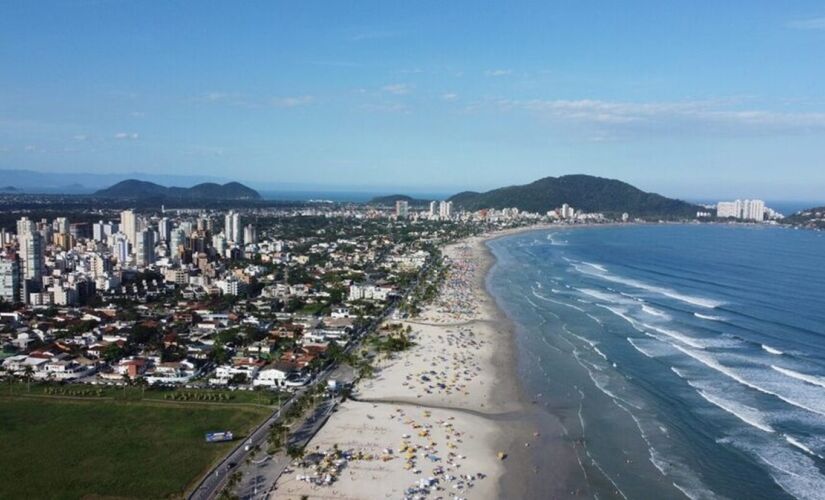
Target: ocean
[682, 360]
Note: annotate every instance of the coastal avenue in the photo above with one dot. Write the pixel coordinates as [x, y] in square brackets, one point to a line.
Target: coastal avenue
[270, 470]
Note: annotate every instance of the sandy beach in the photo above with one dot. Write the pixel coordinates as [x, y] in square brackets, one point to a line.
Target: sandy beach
[446, 418]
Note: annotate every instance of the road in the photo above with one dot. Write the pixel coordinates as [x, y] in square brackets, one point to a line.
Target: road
[258, 479]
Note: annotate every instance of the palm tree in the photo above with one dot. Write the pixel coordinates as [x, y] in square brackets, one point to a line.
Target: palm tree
[28, 373]
[142, 383]
[126, 382]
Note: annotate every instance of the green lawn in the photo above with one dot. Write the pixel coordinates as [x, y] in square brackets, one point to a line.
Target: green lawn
[52, 448]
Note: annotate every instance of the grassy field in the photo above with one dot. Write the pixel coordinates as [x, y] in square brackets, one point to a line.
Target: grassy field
[64, 448]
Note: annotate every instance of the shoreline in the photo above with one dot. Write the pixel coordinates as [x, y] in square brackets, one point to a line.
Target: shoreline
[449, 415]
[550, 466]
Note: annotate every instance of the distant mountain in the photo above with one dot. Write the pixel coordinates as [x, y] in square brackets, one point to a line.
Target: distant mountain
[9, 189]
[32, 181]
[135, 189]
[583, 192]
[391, 199]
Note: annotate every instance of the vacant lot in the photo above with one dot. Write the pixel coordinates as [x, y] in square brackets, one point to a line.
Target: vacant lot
[63, 448]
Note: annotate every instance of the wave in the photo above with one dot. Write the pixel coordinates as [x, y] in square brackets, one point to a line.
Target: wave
[646, 352]
[542, 297]
[655, 312]
[622, 315]
[708, 317]
[771, 350]
[612, 298]
[596, 266]
[554, 242]
[714, 364]
[745, 413]
[795, 442]
[591, 343]
[667, 292]
[794, 472]
[692, 342]
[811, 379]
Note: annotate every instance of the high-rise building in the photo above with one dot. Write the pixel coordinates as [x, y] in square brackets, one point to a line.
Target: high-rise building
[402, 208]
[250, 234]
[25, 225]
[102, 230]
[31, 255]
[129, 226]
[233, 228]
[61, 225]
[121, 249]
[445, 209]
[165, 229]
[9, 279]
[433, 208]
[145, 248]
[101, 265]
[747, 210]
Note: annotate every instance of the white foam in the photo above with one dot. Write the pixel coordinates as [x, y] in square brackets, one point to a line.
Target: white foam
[667, 292]
[542, 297]
[635, 343]
[811, 379]
[621, 314]
[596, 266]
[745, 413]
[708, 317]
[794, 472]
[553, 241]
[690, 341]
[655, 312]
[795, 442]
[612, 298]
[772, 350]
[814, 404]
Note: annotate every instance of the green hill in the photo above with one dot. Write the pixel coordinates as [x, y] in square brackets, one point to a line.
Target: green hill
[583, 192]
[135, 189]
[391, 199]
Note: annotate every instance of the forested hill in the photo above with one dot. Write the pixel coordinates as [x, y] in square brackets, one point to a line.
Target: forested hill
[583, 192]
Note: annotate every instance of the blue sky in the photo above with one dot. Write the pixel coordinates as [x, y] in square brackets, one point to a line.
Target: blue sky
[694, 99]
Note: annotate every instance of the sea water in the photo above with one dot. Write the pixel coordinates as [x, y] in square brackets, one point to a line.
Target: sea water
[683, 360]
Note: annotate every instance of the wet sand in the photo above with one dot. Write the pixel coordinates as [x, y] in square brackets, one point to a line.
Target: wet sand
[449, 412]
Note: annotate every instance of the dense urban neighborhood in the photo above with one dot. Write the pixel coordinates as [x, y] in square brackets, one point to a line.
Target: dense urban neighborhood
[255, 321]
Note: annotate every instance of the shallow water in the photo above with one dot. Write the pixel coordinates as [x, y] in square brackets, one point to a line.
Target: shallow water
[683, 360]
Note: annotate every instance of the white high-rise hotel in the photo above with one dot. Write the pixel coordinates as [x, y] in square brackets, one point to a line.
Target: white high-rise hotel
[233, 230]
[445, 209]
[128, 225]
[739, 209]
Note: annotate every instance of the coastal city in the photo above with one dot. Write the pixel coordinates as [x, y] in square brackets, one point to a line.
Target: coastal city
[293, 309]
[372, 250]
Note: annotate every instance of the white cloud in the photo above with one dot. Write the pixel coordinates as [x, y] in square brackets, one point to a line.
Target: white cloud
[127, 136]
[814, 23]
[292, 102]
[696, 116]
[449, 96]
[80, 137]
[498, 72]
[397, 88]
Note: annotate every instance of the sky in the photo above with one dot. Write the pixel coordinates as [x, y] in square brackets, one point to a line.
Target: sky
[700, 99]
